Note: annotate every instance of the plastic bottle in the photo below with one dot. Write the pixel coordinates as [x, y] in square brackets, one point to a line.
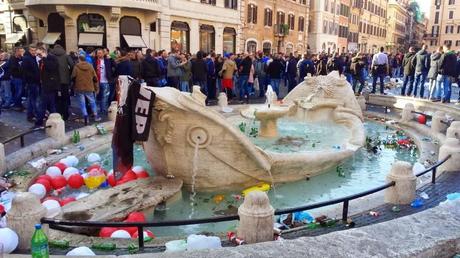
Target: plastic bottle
[39, 243]
[62, 244]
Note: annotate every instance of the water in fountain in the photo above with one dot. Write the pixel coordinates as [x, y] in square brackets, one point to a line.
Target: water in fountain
[194, 172]
[269, 96]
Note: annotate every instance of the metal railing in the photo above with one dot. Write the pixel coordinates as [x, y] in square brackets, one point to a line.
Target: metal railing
[58, 224]
[21, 135]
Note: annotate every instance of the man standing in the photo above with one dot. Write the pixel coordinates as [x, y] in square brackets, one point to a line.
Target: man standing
[104, 70]
[31, 73]
[291, 72]
[434, 91]
[174, 70]
[447, 72]
[408, 65]
[50, 82]
[15, 71]
[380, 69]
[274, 70]
[244, 69]
[65, 67]
[422, 66]
[5, 83]
[228, 69]
[86, 85]
[150, 69]
[357, 72]
[211, 63]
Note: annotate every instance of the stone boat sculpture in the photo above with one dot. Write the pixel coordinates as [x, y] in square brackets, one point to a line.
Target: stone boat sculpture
[200, 146]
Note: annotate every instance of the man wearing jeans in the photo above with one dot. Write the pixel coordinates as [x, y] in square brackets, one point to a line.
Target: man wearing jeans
[447, 71]
[422, 59]
[31, 74]
[244, 70]
[86, 85]
[6, 97]
[379, 69]
[15, 71]
[104, 72]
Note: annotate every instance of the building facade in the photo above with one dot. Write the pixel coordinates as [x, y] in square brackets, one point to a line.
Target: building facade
[397, 19]
[324, 25]
[274, 26]
[372, 25]
[444, 24]
[344, 22]
[353, 26]
[186, 25]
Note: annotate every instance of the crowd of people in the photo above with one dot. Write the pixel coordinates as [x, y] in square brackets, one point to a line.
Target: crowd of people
[47, 78]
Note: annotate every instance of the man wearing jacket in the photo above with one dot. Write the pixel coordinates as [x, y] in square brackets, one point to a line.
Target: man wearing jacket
[15, 72]
[422, 66]
[447, 72]
[65, 68]
[291, 71]
[408, 65]
[104, 68]
[6, 96]
[31, 74]
[150, 69]
[50, 82]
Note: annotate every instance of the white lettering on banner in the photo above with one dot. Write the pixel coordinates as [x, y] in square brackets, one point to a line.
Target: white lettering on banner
[142, 109]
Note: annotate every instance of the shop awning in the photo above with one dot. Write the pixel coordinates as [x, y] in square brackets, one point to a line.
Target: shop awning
[134, 41]
[90, 39]
[14, 38]
[51, 38]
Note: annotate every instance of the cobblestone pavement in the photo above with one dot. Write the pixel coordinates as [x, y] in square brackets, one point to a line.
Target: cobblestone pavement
[445, 184]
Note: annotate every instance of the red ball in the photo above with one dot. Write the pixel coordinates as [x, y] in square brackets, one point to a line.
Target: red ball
[111, 180]
[107, 232]
[142, 174]
[421, 119]
[135, 217]
[45, 183]
[129, 175]
[76, 181]
[61, 166]
[67, 200]
[122, 181]
[44, 176]
[58, 182]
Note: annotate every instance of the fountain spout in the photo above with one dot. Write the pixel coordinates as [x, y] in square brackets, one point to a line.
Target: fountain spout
[269, 96]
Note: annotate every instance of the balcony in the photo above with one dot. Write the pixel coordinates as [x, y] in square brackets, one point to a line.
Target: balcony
[153, 5]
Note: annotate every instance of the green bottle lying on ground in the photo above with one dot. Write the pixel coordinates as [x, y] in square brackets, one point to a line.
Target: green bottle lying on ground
[39, 243]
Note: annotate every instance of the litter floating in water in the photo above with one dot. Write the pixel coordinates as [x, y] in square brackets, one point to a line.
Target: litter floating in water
[218, 198]
[264, 187]
[453, 196]
[417, 203]
[424, 195]
[303, 217]
[231, 236]
[374, 213]
[199, 242]
[176, 246]
[395, 209]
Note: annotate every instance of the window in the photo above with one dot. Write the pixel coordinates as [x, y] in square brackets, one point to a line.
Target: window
[252, 14]
[251, 46]
[180, 36]
[268, 17]
[447, 29]
[291, 21]
[211, 2]
[301, 26]
[451, 2]
[207, 38]
[458, 29]
[332, 8]
[324, 27]
[267, 48]
[232, 4]
[19, 23]
[229, 40]
[280, 18]
[452, 29]
[436, 18]
[451, 14]
[457, 43]
[448, 42]
[326, 5]
[91, 26]
[129, 25]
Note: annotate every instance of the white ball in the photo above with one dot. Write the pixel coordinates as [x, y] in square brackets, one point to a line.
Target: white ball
[66, 161]
[93, 158]
[53, 171]
[38, 189]
[53, 208]
[120, 234]
[72, 159]
[138, 169]
[70, 171]
[81, 251]
[9, 239]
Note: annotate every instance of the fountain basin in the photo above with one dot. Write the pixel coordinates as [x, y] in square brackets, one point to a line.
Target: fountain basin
[183, 125]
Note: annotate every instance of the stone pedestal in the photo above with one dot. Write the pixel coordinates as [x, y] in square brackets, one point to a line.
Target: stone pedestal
[268, 118]
[454, 130]
[198, 95]
[362, 102]
[407, 115]
[2, 159]
[222, 100]
[26, 211]
[113, 108]
[256, 218]
[436, 122]
[57, 129]
[404, 190]
[451, 147]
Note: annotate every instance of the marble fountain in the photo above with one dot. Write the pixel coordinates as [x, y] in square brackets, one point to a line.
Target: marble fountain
[185, 130]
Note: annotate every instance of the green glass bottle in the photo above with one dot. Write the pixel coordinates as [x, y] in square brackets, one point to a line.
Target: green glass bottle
[61, 244]
[39, 243]
[104, 246]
